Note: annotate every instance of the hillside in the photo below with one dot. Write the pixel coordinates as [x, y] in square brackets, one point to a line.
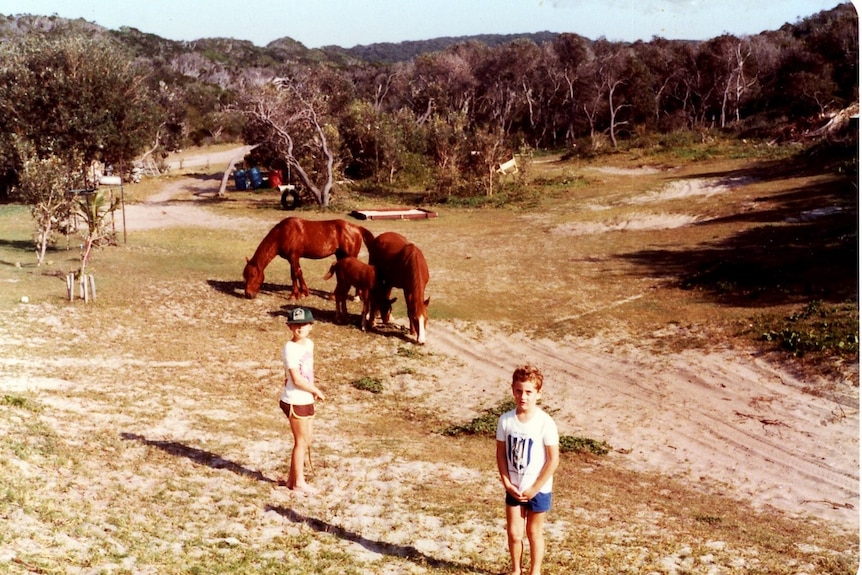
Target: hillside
[234, 52]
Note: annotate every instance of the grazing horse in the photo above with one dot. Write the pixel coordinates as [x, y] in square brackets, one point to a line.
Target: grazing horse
[294, 238]
[400, 264]
[351, 272]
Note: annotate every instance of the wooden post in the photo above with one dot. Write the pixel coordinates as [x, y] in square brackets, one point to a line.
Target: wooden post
[86, 286]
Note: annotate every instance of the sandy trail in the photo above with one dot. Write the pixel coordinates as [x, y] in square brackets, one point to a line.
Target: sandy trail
[731, 422]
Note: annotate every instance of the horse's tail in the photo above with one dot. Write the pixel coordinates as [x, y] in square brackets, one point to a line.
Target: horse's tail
[331, 271]
[367, 236]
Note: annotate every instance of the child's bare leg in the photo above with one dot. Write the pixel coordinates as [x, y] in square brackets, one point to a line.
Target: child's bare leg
[301, 429]
[536, 537]
[515, 519]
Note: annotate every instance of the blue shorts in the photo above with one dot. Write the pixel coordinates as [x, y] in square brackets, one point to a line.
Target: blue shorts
[538, 504]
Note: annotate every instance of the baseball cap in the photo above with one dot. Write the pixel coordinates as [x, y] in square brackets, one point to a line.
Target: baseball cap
[300, 315]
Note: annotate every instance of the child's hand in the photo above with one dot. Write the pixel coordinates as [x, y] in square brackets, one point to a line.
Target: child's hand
[318, 395]
[513, 491]
[528, 494]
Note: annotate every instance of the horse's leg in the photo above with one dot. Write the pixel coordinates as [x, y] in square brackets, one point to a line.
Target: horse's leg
[303, 287]
[296, 278]
[365, 321]
[341, 289]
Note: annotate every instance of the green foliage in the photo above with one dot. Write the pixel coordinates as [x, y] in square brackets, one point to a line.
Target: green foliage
[20, 402]
[98, 106]
[368, 384]
[94, 207]
[43, 184]
[569, 443]
[485, 424]
[409, 352]
[816, 328]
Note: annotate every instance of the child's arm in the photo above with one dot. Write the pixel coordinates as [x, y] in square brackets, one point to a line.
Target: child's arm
[552, 460]
[301, 383]
[503, 469]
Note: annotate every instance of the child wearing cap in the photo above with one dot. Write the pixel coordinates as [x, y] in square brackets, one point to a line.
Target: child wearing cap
[528, 453]
[299, 393]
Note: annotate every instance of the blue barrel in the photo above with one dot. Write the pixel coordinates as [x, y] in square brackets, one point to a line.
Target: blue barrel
[239, 180]
[255, 178]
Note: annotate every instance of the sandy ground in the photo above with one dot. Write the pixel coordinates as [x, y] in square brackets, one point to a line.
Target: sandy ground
[727, 420]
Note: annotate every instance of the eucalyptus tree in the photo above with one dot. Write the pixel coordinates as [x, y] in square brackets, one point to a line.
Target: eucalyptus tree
[605, 78]
[507, 97]
[728, 74]
[564, 62]
[293, 120]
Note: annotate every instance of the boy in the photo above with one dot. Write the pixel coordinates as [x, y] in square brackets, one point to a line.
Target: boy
[299, 393]
[528, 452]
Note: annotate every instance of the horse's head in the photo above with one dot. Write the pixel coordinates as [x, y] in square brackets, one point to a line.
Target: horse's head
[253, 276]
[384, 306]
[419, 320]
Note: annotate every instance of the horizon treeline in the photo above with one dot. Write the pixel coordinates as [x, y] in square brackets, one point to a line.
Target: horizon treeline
[390, 105]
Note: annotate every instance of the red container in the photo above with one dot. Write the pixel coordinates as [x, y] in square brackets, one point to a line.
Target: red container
[274, 178]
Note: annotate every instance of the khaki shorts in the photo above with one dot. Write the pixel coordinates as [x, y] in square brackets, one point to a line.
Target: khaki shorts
[297, 411]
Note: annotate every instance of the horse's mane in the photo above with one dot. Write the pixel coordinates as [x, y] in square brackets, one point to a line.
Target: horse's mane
[268, 247]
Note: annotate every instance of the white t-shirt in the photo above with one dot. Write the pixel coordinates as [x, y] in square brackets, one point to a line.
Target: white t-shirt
[525, 447]
[299, 356]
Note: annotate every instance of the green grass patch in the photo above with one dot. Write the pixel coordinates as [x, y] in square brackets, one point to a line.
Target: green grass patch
[576, 444]
[368, 384]
[816, 328]
[486, 425]
[21, 403]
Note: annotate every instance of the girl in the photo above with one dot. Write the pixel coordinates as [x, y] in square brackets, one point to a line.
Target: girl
[299, 393]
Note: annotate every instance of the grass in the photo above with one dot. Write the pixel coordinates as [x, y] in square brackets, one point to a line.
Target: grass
[369, 384]
[814, 329]
[486, 425]
[152, 441]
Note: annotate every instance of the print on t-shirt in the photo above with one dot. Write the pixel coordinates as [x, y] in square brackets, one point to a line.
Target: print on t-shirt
[520, 449]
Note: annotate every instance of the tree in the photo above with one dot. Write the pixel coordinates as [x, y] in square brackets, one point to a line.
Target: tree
[571, 53]
[290, 118]
[78, 98]
[505, 94]
[66, 101]
[43, 184]
[729, 69]
[372, 143]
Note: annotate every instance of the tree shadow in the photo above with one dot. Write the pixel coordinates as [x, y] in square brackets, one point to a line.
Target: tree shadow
[19, 245]
[199, 456]
[206, 177]
[408, 552]
[803, 247]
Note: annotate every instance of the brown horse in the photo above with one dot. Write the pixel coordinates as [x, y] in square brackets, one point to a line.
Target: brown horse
[295, 238]
[351, 272]
[400, 264]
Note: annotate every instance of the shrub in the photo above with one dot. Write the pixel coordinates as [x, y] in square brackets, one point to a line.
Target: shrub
[368, 384]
